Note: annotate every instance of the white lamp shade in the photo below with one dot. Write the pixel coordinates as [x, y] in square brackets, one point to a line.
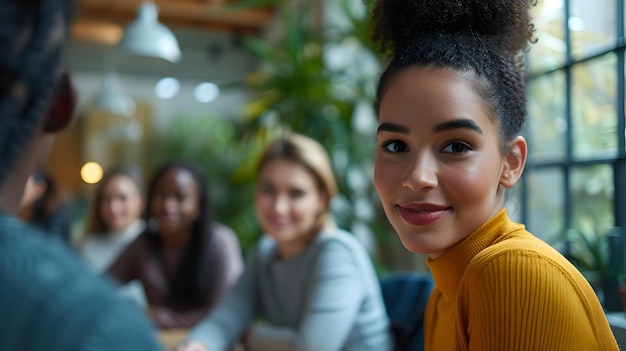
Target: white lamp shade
[112, 98]
[146, 36]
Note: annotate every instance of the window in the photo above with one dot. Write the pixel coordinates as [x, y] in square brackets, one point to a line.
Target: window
[576, 171]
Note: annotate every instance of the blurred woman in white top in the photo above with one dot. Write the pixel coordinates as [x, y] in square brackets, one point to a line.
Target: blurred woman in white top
[114, 221]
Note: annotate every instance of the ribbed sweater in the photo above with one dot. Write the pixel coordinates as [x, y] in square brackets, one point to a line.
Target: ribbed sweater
[502, 288]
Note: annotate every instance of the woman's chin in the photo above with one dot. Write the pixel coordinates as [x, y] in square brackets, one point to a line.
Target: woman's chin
[417, 246]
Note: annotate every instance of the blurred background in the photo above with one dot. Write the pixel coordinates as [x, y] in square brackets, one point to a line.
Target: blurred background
[212, 80]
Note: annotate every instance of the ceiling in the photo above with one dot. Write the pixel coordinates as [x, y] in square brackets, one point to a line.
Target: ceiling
[102, 21]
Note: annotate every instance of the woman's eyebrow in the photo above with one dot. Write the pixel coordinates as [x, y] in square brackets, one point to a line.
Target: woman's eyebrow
[456, 124]
[392, 127]
[459, 123]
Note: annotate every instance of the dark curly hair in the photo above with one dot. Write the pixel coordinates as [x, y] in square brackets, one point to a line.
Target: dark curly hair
[481, 38]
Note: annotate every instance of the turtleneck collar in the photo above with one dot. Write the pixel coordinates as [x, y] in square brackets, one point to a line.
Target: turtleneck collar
[448, 269]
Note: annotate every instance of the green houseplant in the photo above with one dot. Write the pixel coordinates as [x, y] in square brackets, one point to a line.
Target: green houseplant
[599, 256]
[299, 87]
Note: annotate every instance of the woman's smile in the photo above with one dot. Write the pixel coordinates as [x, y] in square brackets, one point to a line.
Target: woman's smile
[422, 214]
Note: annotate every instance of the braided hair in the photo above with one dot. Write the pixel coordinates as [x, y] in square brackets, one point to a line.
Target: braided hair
[32, 35]
[481, 39]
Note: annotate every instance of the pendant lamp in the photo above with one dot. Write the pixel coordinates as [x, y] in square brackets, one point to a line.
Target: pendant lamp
[147, 37]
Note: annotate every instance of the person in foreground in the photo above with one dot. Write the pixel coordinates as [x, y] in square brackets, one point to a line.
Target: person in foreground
[185, 260]
[307, 285]
[451, 106]
[49, 300]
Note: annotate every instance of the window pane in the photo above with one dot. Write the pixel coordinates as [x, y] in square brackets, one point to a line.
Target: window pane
[549, 50]
[545, 204]
[592, 26]
[592, 193]
[593, 107]
[546, 117]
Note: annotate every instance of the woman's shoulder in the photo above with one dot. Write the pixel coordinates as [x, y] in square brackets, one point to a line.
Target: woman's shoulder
[340, 244]
[339, 238]
[221, 230]
[523, 246]
[223, 235]
[523, 254]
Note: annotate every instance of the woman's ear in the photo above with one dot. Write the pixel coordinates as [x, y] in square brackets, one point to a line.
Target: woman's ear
[514, 162]
[62, 106]
[324, 200]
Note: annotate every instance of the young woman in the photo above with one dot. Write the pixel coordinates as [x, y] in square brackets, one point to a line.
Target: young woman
[451, 105]
[114, 222]
[185, 260]
[307, 285]
[115, 217]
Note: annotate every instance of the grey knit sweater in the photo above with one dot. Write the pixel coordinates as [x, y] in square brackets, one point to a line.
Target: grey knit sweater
[326, 298]
[50, 301]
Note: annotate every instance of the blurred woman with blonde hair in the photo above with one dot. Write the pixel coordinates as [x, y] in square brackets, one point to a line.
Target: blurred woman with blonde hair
[307, 285]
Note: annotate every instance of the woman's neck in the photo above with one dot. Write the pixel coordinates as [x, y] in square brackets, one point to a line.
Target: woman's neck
[291, 248]
[175, 241]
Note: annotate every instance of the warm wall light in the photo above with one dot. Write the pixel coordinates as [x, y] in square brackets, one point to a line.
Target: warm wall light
[147, 37]
[91, 172]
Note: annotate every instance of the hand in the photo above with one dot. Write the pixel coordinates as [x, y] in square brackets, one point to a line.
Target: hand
[192, 346]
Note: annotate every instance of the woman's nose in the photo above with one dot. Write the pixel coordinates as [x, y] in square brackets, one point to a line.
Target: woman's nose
[422, 174]
[280, 204]
[170, 203]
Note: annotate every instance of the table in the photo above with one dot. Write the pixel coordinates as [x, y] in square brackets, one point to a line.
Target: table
[172, 337]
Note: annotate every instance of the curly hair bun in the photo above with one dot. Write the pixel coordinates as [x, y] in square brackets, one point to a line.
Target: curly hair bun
[396, 23]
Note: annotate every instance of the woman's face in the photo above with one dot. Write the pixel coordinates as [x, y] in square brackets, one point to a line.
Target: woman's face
[288, 202]
[121, 203]
[176, 202]
[439, 170]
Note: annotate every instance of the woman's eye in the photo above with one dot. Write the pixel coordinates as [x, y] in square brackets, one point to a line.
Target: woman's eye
[395, 146]
[457, 148]
[267, 190]
[295, 194]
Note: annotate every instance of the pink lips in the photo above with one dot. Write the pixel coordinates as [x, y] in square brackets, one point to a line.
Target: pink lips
[422, 214]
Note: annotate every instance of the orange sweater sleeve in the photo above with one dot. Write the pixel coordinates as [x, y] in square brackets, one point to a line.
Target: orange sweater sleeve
[519, 296]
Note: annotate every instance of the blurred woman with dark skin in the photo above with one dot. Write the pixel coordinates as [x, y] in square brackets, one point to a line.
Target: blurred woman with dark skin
[185, 260]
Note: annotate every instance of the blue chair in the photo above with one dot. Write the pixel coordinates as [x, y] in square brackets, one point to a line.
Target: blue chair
[405, 296]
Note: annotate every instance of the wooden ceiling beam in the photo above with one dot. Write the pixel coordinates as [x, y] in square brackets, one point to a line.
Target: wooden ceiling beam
[200, 13]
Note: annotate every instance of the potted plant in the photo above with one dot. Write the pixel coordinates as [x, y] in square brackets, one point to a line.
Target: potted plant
[599, 257]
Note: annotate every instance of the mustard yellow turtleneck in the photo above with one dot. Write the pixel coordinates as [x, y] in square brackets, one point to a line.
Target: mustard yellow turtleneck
[503, 289]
